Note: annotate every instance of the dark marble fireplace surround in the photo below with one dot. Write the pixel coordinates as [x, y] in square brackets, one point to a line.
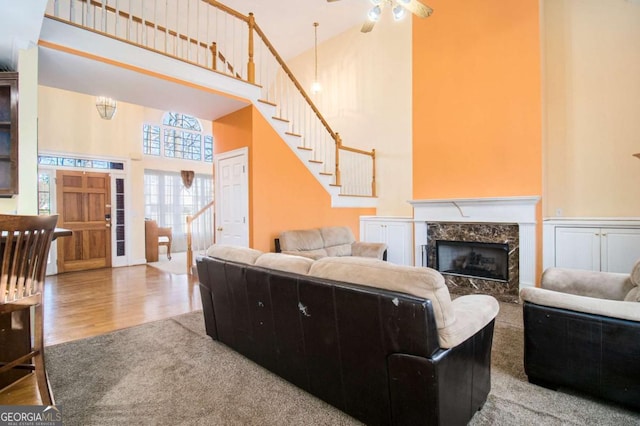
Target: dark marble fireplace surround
[483, 233]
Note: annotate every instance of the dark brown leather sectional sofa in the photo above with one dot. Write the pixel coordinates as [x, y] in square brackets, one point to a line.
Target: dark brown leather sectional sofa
[373, 353]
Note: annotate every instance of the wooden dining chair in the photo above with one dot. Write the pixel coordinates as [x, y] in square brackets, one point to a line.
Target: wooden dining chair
[24, 249]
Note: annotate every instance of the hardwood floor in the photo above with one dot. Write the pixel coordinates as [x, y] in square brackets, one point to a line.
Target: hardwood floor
[88, 303]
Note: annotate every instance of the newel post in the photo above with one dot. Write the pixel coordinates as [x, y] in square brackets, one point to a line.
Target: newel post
[338, 145]
[214, 55]
[251, 66]
[373, 179]
[189, 246]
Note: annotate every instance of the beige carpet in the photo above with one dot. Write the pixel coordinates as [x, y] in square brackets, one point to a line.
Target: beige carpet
[177, 265]
[170, 373]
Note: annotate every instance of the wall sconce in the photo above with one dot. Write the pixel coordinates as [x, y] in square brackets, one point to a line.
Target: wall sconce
[106, 107]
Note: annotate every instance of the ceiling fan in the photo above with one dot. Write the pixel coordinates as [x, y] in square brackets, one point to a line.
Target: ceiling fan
[398, 8]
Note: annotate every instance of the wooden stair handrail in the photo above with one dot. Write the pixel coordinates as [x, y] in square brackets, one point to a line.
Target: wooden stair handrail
[335, 136]
[190, 220]
[216, 54]
[254, 26]
[295, 81]
[228, 10]
[200, 212]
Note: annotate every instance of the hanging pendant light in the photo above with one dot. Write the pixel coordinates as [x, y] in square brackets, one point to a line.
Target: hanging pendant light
[316, 87]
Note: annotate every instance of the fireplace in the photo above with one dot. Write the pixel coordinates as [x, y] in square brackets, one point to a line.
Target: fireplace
[504, 220]
[473, 259]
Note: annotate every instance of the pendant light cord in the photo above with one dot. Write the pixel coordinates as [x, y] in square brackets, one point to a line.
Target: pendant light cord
[315, 24]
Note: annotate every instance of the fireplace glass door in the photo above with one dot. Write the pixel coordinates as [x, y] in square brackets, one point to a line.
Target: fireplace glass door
[473, 259]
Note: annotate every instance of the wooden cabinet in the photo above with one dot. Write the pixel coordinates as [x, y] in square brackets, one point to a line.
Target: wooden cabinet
[605, 245]
[8, 134]
[396, 232]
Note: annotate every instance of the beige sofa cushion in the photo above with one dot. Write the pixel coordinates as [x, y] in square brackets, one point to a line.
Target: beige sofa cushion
[337, 235]
[375, 250]
[633, 295]
[601, 285]
[339, 250]
[590, 305]
[635, 273]
[301, 240]
[455, 321]
[472, 313]
[234, 254]
[285, 262]
[311, 254]
[334, 241]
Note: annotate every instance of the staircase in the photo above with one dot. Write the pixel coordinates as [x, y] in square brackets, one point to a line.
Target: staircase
[239, 60]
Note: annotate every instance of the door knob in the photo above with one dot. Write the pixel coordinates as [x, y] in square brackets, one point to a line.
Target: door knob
[219, 228]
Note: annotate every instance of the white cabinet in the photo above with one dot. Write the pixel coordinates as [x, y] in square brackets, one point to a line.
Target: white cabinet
[597, 245]
[396, 232]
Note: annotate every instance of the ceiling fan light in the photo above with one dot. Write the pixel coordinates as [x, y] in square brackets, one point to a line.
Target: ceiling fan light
[374, 14]
[398, 12]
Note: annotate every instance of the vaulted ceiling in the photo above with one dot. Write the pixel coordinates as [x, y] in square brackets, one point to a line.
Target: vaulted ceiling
[287, 23]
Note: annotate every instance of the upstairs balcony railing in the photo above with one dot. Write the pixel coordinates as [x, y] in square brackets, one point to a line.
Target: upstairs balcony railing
[209, 34]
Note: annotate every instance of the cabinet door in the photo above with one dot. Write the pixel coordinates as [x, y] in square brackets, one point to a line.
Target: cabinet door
[373, 232]
[399, 237]
[620, 249]
[8, 133]
[578, 248]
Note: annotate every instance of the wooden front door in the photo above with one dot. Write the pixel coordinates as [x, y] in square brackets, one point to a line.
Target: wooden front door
[84, 207]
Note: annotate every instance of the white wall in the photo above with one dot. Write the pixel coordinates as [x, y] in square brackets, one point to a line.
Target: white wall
[366, 97]
[591, 80]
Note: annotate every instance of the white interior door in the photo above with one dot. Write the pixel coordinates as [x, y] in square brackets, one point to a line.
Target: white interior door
[232, 198]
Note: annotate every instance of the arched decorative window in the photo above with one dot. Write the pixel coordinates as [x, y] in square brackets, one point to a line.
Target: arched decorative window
[179, 136]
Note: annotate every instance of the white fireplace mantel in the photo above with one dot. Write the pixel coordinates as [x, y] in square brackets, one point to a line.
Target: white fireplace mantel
[518, 210]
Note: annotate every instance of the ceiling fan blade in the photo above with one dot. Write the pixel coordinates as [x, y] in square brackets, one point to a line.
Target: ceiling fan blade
[417, 8]
[331, 1]
[367, 26]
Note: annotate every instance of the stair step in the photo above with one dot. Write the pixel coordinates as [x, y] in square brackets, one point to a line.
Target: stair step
[293, 134]
[281, 119]
[305, 148]
[360, 196]
[316, 161]
[326, 174]
[267, 102]
[333, 184]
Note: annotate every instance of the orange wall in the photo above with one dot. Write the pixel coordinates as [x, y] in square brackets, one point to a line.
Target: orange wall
[283, 194]
[477, 100]
[477, 106]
